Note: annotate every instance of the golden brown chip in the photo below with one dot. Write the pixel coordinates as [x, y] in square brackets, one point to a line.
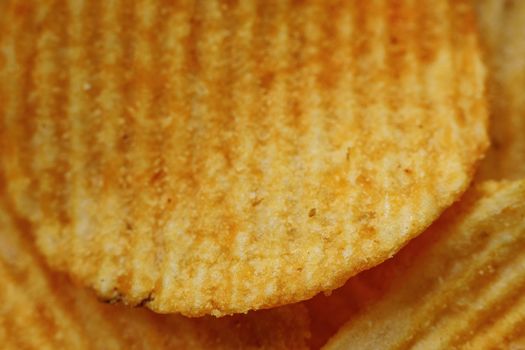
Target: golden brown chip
[216, 157]
[43, 310]
[460, 285]
[502, 26]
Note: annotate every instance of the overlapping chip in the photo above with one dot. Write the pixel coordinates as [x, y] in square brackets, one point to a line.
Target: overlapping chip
[502, 27]
[215, 157]
[41, 309]
[460, 285]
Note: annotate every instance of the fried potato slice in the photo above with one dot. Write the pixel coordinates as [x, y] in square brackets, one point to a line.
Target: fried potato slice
[460, 285]
[502, 27]
[43, 310]
[215, 157]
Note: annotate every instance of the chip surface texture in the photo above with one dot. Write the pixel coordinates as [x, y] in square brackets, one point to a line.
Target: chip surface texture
[214, 157]
[459, 285]
[43, 310]
[502, 29]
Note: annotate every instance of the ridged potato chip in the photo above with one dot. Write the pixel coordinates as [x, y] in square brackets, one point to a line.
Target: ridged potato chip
[502, 27]
[215, 157]
[460, 285]
[42, 310]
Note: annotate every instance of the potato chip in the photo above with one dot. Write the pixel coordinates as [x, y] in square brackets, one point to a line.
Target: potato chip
[502, 25]
[460, 285]
[42, 310]
[215, 157]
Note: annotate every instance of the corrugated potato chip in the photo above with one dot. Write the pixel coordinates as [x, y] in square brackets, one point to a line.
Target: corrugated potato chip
[215, 157]
[460, 285]
[502, 26]
[41, 309]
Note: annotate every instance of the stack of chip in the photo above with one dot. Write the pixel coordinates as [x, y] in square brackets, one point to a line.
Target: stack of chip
[250, 174]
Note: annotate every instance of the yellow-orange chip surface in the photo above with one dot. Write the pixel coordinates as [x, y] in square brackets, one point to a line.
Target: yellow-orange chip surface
[212, 157]
[460, 285]
[42, 310]
[502, 29]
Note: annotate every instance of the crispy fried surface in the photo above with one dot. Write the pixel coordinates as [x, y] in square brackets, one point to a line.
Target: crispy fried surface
[216, 157]
[42, 310]
[460, 285]
[502, 26]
